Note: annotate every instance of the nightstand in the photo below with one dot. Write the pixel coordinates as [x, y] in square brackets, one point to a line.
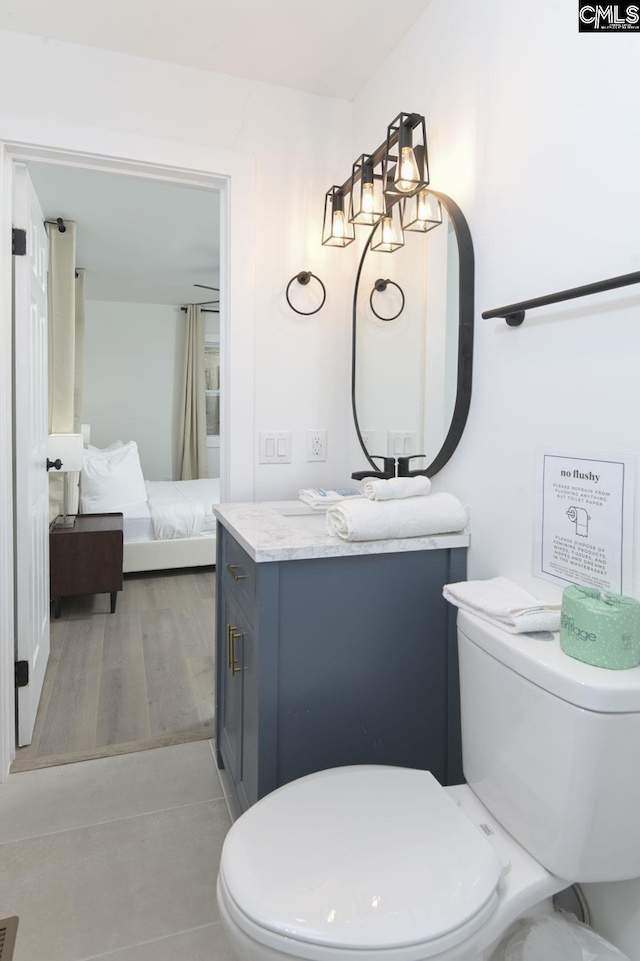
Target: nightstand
[86, 558]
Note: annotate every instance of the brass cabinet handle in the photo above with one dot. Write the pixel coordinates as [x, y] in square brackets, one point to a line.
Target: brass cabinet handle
[234, 635]
[229, 660]
[232, 568]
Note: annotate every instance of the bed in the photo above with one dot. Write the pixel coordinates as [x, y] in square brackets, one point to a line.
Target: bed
[153, 539]
[167, 524]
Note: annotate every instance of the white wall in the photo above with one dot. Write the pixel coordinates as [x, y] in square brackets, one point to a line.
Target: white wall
[133, 375]
[301, 144]
[535, 131]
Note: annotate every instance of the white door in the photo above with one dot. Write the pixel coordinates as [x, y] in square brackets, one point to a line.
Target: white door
[31, 425]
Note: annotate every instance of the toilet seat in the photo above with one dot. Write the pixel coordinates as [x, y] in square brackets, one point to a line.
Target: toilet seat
[377, 859]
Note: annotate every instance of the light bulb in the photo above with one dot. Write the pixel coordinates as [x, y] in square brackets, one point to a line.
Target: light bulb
[367, 199]
[423, 206]
[388, 233]
[338, 226]
[407, 175]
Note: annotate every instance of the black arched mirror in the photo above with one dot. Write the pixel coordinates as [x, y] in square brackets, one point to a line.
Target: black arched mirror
[413, 342]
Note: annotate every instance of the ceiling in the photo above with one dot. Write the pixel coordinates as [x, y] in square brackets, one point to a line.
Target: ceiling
[140, 241]
[331, 47]
[144, 241]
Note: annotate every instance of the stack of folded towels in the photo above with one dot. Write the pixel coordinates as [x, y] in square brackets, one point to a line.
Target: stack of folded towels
[399, 507]
[504, 604]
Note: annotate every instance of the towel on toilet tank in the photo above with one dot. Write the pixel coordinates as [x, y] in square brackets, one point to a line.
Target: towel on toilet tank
[505, 604]
[396, 487]
[366, 520]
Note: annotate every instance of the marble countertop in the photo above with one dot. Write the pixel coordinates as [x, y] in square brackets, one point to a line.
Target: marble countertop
[291, 531]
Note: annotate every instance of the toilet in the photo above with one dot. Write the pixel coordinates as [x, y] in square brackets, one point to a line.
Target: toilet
[365, 862]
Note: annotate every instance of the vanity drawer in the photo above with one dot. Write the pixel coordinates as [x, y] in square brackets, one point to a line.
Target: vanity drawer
[239, 573]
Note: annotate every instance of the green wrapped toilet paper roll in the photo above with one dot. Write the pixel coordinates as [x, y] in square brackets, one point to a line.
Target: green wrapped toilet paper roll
[600, 628]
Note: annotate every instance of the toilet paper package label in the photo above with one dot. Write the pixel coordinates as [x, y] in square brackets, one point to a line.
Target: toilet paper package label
[600, 628]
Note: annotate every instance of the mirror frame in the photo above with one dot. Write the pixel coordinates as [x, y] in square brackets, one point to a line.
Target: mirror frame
[465, 337]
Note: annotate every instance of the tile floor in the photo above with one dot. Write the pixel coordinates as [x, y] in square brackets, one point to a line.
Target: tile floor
[116, 858]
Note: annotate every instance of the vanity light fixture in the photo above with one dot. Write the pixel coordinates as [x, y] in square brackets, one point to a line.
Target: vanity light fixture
[367, 201]
[337, 230]
[379, 187]
[421, 212]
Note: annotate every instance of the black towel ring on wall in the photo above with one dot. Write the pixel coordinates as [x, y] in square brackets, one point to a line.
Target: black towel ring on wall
[380, 286]
[303, 278]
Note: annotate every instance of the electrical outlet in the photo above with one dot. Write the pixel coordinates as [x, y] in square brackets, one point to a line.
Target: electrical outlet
[317, 444]
[368, 439]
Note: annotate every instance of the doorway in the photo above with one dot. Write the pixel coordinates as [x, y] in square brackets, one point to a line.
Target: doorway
[140, 676]
[242, 443]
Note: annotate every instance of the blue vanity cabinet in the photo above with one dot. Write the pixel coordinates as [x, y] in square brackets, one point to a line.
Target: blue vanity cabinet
[332, 661]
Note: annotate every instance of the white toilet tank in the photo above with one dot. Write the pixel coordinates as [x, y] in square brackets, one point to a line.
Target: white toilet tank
[552, 747]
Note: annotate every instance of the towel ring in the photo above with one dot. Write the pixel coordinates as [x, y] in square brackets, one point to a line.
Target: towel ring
[303, 278]
[380, 286]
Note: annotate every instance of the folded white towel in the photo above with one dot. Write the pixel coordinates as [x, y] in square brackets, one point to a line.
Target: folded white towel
[365, 520]
[396, 487]
[320, 499]
[505, 604]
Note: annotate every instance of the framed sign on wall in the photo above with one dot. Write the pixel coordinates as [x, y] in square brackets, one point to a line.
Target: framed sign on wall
[585, 519]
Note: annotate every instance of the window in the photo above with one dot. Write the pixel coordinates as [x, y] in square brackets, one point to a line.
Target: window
[212, 392]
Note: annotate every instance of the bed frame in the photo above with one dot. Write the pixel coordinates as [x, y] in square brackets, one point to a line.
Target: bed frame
[165, 555]
[158, 555]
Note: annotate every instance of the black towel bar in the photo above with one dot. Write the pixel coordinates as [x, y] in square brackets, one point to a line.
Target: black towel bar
[514, 313]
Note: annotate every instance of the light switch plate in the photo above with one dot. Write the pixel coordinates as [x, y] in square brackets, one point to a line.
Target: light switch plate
[402, 443]
[274, 447]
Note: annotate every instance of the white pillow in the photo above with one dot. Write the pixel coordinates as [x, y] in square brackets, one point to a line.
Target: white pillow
[116, 444]
[111, 479]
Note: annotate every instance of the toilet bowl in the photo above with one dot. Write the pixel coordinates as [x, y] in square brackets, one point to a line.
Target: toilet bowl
[379, 863]
[368, 863]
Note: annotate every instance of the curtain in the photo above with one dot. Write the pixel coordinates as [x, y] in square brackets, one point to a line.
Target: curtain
[78, 383]
[192, 443]
[65, 292]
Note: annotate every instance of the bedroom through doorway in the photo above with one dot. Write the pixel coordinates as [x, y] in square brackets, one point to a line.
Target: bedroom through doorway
[149, 254]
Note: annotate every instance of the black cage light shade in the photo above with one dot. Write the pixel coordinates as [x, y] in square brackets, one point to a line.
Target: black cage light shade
[337, 230]
[388, 234]
[421, 212]
[366, 199]
[405, 165]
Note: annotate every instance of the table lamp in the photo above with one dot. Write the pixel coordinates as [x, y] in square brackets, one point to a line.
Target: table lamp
[64, 452]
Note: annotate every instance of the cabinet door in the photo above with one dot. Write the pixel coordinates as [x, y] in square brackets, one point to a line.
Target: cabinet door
[230, 687]
[239, 701]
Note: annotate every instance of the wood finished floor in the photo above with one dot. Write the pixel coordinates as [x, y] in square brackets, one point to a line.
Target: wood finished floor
[137, 679]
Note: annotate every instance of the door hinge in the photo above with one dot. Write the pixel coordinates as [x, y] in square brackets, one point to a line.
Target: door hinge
[18, 242]
[22, 673]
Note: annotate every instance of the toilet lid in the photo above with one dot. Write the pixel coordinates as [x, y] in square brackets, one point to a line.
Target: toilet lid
[360, 857]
